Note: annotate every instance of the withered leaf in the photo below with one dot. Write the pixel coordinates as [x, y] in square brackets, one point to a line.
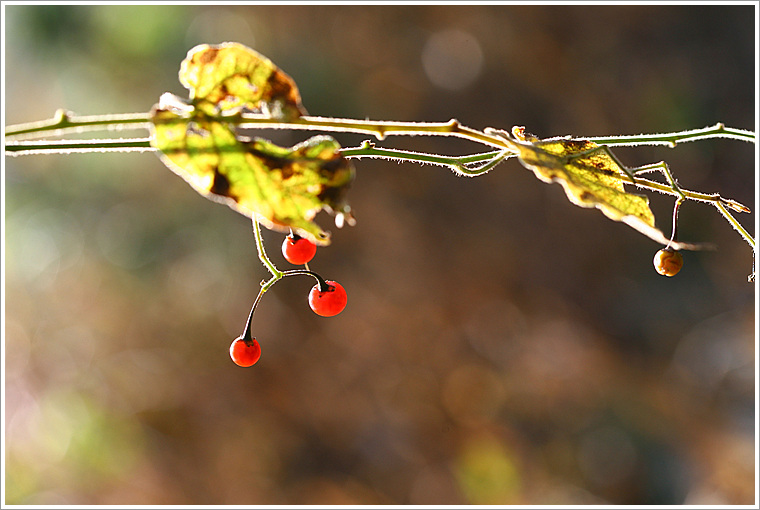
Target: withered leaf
[226, 77]
[590, 178]
[282, 187]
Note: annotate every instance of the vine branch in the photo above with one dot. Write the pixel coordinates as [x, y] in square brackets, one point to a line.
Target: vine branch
[17, 143]
[65, 122]
[719, 130]
[39, 147]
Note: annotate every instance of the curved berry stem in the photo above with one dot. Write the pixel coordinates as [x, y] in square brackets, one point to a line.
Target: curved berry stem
[674, 234]
[246, 336]
[276, 276]
[276, 273]
[323, 287]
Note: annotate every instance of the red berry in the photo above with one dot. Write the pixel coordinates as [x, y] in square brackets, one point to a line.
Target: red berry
[298, 250]
[328, 303]
[245, 353]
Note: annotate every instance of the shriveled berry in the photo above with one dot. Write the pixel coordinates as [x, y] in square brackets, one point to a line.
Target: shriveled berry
[668, 262]
[330, 302]
[298, 250]
[243, 353]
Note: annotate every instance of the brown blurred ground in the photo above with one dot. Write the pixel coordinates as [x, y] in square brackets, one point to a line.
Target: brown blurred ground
[500, 345]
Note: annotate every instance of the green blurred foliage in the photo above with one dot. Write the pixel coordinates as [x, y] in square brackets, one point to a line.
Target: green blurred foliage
[499, 346]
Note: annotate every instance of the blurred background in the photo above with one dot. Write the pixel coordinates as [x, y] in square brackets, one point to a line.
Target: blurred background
[500, 345]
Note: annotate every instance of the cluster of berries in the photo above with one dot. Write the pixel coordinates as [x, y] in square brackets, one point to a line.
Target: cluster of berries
[327, 298]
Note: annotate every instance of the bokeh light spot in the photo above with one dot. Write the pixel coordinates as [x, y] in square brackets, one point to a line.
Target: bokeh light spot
[452, 59]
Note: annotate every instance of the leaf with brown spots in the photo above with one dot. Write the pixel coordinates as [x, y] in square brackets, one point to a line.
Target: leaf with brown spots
[227, 77]
[282, 187]
[590, 177]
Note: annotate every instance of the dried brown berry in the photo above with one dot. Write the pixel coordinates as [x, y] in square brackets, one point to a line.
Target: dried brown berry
[668, 262]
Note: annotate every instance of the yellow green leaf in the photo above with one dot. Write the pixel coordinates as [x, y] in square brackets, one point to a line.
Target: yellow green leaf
[591, 177]
[282, 187]
[226, 77]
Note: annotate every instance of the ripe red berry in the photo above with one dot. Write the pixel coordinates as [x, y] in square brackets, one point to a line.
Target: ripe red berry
[298, 250]
[328, 303]
[245, 353]
[668, 262]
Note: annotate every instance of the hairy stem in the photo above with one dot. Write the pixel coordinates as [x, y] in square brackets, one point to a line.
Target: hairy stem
[38, 147]
[65, 122]
[719, 130]
[680, 192]
[379, 129]
[459, 164]
[737, 226]
[276, 273]
[367, 150]
[476, 164]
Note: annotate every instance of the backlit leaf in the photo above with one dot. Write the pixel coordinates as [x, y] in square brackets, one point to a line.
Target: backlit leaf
[282, 187]
[226, 77]
[590, 178]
